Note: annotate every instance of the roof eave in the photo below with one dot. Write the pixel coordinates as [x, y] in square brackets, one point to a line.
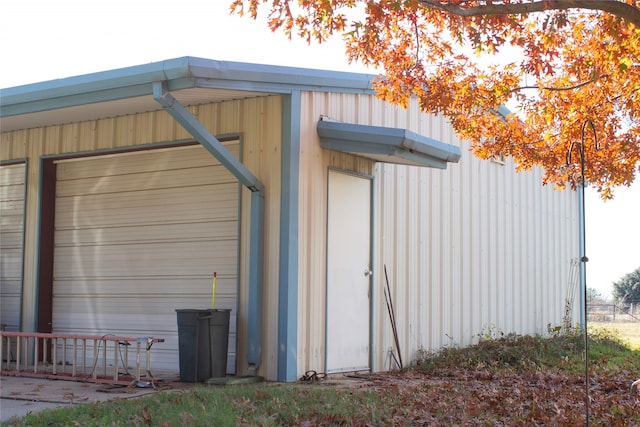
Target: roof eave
[179, 73]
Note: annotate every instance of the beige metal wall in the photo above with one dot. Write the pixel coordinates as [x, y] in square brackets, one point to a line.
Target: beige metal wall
[468, 248]
[314, 164]
[257, 121]
[471, 249]
[485, 251]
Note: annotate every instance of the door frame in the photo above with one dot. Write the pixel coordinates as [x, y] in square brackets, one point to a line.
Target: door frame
[46, 229]
[46, 224]
[372, 267]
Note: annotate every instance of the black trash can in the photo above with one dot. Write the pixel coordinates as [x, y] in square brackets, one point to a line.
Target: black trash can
[203, 338]
[218, 342]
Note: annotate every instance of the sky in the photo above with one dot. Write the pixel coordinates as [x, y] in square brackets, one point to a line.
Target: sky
[43, 40]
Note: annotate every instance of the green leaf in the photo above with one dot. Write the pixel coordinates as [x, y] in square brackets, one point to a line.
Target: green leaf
[624, 64]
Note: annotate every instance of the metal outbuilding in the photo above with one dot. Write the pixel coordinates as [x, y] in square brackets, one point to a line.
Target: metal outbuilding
[123, 191]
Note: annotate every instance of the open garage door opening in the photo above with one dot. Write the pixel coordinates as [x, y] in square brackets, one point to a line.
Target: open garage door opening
[138, 235]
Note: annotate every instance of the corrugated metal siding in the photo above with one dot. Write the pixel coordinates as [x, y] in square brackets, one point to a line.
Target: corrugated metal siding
[472, 249]
[12, 187]
[461, 232]
[314, 163]
[257, 121]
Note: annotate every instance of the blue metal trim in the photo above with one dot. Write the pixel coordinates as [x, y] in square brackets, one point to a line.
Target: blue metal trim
[96, 82]
[24, 240]
[376, 271]
[350, 172]
[179, 73]
[121, 150]
[291, 77]
[84, 98]
[503, 111]
[288, 265]
[36, 290]
[392, 145]
[582, 270]
[204, 137]
[256, 262]
[284, 88]
[16, 161]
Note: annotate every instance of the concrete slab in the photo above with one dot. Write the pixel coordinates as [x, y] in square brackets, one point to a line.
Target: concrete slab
[20, 395]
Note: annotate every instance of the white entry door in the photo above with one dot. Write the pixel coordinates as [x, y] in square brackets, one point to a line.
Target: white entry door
[348, 272]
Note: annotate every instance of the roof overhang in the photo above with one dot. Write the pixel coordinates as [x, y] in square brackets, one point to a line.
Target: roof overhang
[192, 81]
[389, 145]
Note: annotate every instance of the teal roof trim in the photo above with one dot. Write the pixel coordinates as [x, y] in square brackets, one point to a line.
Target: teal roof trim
[390, 145]
[95, 82]
[179, 73]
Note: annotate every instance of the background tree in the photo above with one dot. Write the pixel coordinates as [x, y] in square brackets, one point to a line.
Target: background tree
[627, 290]
[593, 296]
[557, 64]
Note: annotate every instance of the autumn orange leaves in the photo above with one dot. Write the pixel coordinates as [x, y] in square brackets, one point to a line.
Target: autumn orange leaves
[556, 64]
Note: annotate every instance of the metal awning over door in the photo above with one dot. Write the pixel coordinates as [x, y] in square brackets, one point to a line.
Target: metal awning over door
[384, 144]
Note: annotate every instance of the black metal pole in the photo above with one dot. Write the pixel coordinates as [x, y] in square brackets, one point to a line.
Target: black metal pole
[584, 260]
[583, 256]
[392, 315]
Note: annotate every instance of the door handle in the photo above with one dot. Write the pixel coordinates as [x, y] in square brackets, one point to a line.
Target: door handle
[368, 273]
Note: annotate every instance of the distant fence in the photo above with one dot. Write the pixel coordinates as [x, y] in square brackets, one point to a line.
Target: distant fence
[611, 313]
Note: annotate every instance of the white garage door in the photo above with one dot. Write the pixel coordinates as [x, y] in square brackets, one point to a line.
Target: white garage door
[12, 179]
[139, 235]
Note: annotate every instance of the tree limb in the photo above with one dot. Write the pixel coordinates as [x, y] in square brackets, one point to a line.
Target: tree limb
[618, 8]
[560, 89]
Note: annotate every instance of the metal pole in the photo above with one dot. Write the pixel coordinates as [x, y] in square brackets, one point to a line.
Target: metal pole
[583, 256]
[583, 293]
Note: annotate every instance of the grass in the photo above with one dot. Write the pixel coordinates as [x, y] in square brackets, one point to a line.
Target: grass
[610, 347]
[257, 405]
[511, 352]
[512, 380]
[629, 332]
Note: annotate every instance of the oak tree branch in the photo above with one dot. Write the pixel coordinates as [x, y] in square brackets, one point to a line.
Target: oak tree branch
[618, 8]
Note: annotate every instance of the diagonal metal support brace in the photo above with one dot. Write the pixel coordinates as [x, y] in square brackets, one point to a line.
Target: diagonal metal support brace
[204, 137]
[246, 178]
